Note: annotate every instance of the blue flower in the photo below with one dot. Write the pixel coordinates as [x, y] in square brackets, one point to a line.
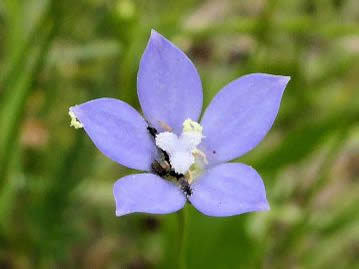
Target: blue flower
[184, 158]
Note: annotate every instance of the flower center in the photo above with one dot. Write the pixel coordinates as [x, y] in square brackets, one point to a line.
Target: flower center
[185, 157]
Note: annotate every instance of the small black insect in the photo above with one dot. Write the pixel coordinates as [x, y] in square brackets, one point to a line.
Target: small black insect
[175, 175]
[162, 168]
[185, 186]
[153, 131]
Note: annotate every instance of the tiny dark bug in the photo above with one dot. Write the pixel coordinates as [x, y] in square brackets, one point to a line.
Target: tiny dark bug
[161, 168]
[153, 131]
[185, 186]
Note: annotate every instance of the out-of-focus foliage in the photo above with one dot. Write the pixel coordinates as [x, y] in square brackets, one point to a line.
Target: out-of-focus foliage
[56, 205]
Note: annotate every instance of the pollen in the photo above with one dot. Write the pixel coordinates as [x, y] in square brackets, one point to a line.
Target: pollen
[74, 121]
[192, 126]
[182, 150]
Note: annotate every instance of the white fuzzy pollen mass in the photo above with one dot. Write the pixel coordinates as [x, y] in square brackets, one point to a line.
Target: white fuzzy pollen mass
[74, 121]
[181, 149]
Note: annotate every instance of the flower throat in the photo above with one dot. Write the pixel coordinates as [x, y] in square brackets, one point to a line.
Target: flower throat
[178, 157]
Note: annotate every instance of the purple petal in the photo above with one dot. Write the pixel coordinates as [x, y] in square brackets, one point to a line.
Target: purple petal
[168, 85]
[240, 115]
[229, 189]
[118, 131]
[147, 193]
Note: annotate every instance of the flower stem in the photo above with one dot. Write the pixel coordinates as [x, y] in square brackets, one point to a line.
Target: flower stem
[182, 217]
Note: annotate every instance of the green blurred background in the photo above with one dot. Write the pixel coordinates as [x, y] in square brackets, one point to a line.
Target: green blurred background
[56, 204]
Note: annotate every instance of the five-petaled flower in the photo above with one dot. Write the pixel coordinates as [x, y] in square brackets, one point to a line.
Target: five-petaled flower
[192, 156]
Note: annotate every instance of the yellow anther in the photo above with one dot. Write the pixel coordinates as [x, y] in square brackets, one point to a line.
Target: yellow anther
[74, 121]
[165, 126]
[193, 172]
[199, 153]
[192, 126]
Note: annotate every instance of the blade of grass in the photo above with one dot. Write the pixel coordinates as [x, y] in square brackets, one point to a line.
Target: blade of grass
[18, 89]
